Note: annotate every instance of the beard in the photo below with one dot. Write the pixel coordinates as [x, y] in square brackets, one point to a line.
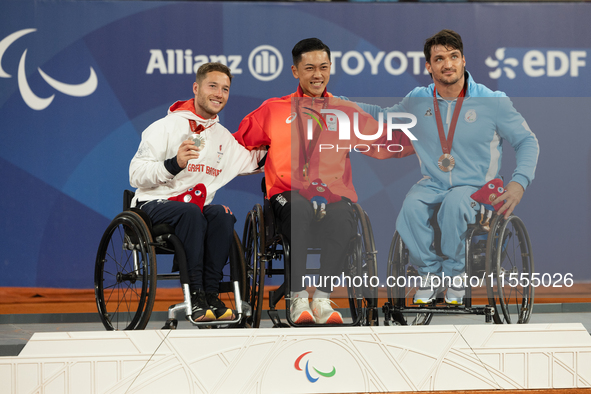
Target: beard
[454, 78]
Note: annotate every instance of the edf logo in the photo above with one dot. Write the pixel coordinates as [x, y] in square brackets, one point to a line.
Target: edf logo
[537, 63]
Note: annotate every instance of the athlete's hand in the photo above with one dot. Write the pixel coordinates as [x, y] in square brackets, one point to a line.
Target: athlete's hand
[186, 152]
[512, 196]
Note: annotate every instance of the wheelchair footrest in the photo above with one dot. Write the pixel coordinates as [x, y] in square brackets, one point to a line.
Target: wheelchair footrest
[171, 324]
[487, 310]
[274, 316]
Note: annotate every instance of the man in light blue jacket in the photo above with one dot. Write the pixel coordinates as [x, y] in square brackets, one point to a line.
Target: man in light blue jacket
[460, 128]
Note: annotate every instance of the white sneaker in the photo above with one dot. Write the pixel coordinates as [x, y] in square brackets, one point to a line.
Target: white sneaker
[324, 313]
[427, 291]
[300, 311]
[455, 294]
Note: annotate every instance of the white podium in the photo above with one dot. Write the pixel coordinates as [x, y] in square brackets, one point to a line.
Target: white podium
[306, 360]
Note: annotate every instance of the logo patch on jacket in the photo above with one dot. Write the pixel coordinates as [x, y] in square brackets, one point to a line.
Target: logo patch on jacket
[220, 155]
[331, 122]
[471, 116]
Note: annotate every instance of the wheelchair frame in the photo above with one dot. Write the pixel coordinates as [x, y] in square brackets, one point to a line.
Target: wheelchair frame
[484, 259]
[126, 274]
[261, 242]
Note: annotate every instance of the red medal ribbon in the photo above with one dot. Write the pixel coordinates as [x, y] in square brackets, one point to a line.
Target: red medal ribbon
[195, 128]
[446, 144]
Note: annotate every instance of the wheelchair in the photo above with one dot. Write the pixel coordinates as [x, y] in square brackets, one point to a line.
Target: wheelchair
[125, 273]
[500, 258]
[264, 246]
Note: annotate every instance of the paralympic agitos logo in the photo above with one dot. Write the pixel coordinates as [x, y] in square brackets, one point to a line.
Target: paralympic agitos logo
[31, 99]
[307, 369]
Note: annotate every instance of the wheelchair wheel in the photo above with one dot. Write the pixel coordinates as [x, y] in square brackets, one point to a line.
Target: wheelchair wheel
[253, 245]
[398, 267]
[362, 262]
[234, 271]
[125, 274]
[509, 266]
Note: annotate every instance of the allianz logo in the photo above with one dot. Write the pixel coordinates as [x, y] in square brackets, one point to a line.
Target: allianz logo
[537, 63]
[264, 62]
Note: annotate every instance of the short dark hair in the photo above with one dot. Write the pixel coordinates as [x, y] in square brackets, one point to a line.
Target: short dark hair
[206, 68]
[448, 38]
[308, 45]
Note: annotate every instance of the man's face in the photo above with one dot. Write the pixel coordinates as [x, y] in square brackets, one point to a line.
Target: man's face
[446, 65]
[211, 95]
[313, 71]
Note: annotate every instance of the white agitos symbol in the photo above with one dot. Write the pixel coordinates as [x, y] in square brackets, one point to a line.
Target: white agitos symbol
[32, 100]
[500, 55]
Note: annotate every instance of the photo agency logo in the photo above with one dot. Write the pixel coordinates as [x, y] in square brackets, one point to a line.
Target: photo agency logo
[30, 98]
[338, 121]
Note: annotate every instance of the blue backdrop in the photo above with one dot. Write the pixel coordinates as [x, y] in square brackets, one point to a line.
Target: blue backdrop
[79, 81]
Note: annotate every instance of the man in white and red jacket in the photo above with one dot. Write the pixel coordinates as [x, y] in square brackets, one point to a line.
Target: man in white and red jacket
[182, 160]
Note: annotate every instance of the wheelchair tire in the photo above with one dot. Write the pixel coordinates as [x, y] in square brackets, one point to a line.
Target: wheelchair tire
[508, 252]
[363, 261]
[125, 274]
[236, 272]
[253, 240]
[397, 267]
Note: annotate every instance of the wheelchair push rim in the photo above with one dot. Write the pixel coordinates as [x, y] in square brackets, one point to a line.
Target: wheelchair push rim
[397, 266]
[253, 244]
[125, 274]
[510, 260]
[362, 261]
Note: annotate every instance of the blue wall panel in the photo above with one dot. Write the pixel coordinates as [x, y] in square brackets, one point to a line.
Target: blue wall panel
[63, 167]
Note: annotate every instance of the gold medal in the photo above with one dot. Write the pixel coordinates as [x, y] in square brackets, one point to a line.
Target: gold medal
[446, 162]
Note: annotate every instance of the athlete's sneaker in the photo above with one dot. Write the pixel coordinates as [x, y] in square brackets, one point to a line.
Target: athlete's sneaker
[218, 307]
[456, 292]
[323, 312]
[200, 308]
[429, 288]
[300, 311]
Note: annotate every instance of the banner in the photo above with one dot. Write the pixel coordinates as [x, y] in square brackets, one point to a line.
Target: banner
[80, 81]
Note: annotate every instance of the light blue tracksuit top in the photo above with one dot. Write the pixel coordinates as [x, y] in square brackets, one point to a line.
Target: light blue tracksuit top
[486, 118]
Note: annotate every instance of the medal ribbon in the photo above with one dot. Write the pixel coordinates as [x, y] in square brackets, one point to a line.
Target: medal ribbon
[309, 151]
[446, 144]
[197, 128]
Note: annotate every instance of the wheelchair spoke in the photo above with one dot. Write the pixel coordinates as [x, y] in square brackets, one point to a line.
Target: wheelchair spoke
[511, 251]
[124, 278]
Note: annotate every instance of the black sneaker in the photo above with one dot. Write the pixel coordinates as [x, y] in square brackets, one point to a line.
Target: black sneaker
[200, 308]
[218, 307]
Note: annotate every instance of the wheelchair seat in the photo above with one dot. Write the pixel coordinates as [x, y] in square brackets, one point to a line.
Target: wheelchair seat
[264, 246]
[126, 272]
[491, 256]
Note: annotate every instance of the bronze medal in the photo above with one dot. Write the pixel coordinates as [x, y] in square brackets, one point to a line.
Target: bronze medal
[446, 162]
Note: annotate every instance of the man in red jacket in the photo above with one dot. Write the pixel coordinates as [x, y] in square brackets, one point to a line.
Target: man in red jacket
[304, 147]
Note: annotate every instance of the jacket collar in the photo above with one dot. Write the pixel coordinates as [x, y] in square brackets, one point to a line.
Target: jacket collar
[186, 109]
[300, 92]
